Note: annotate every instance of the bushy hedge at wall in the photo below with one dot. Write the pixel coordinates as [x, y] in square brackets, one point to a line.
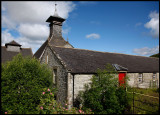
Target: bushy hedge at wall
[104, 95]
[22, 81]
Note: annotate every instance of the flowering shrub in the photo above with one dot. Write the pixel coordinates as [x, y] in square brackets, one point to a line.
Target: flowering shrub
[48, 105]
[22, 80]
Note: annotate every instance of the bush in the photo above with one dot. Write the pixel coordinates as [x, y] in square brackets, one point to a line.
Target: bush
[104, 95]
[22, 83]
[48, 105]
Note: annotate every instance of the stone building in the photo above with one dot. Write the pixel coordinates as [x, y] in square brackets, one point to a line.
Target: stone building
[11, 49]
[72, 67]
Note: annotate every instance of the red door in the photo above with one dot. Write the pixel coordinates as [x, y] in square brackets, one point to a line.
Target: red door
[122, 79]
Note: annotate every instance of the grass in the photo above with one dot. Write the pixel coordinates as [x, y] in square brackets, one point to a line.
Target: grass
[149, 104]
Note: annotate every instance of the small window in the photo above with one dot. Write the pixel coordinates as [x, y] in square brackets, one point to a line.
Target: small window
[140, 78]
[154, 75]
[54, 76]
[47, 59]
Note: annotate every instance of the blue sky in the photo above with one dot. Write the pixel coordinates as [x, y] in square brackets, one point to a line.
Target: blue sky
[111, 26]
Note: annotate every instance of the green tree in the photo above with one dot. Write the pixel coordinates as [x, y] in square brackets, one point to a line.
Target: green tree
[104, 95]
[155, 55]
[22, 81]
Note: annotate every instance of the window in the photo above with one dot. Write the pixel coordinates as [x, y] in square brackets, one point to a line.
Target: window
[54, 75]
[140, 77]
[47, 59]
[154, 76]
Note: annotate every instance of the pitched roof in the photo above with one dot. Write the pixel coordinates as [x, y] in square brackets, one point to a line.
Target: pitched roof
[13, 43]
[40, 50]
[87, 61]
[55, 18]
[57, 41]
[8, 55]
[54, 41]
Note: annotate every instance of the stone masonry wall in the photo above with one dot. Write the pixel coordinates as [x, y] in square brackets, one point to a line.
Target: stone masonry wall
[13, 48]
[147, 80]
[79, 82]
[81, 79]
[61, 74]
[55, 30]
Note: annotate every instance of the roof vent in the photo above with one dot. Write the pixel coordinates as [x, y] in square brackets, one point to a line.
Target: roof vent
[119, 68]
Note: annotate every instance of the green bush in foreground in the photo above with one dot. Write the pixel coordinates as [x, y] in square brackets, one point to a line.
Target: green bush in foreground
[104, 95]
[22, 80]
[48, 105]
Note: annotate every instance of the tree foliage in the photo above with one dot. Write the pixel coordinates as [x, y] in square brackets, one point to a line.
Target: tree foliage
[48, 105]
[22, 80]
[155, 55]
[104, 95]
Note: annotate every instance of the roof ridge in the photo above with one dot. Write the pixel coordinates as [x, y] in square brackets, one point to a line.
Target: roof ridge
[13, 42]
[107, 52]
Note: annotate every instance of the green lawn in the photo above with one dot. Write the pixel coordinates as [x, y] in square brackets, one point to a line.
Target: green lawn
[149, 103]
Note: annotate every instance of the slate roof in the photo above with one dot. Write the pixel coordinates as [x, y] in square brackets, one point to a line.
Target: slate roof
[40, 50]
[13, 43]
[55, 18]
[54, 41]
[87, 61]
[57, 41]
[8, 55]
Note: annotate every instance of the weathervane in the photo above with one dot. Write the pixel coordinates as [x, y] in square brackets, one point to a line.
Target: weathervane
[55, 13]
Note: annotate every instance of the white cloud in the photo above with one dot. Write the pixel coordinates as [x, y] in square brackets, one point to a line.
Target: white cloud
[8, 23]
[24, 41]
[28, 18]
[36, 12]
[34, 31]
[7, 37]
[153, 24]
[93, 36]
[146, 51]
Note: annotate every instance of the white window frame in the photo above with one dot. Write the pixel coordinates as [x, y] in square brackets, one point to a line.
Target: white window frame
[55, 70]
[47, 59]
[154, 76]
[140, 78]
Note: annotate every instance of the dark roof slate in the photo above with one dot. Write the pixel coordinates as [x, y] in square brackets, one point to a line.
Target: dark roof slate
[57, 41]
[87, 61]
[13, 43]
[8, 55]
[40, 50]
[54, 41]
[55, 18]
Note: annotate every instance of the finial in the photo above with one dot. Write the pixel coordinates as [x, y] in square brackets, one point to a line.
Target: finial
[55, 13]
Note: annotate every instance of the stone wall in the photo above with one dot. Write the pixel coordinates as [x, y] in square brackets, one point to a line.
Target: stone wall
[53, 62]
[13, 48]
[55, 30]
[70, 90]
[147, 80]
[79, 82]
[69, 85]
